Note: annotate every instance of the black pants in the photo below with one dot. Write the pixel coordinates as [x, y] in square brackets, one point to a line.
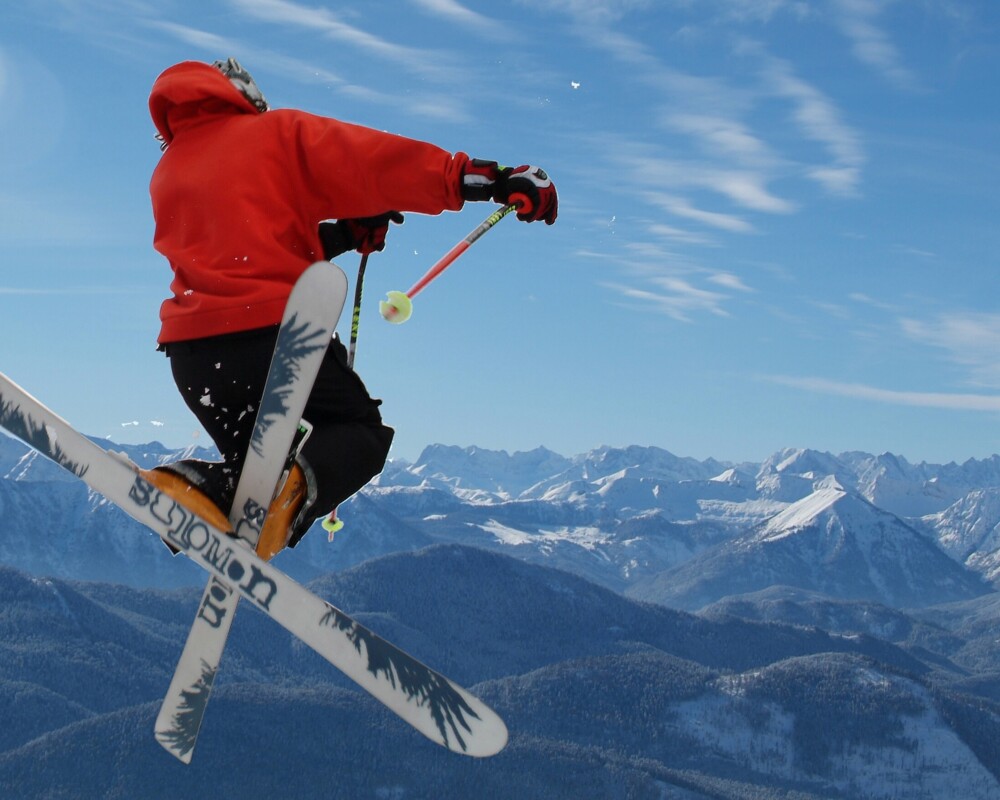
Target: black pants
[222, 379]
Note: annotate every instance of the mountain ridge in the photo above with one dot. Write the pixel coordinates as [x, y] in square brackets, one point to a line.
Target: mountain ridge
[660, 704]
[619, 516]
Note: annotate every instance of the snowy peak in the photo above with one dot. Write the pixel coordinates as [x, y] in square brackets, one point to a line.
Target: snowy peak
[733, 477]
[493, 471]
[887, 480]
[802, 462]
[843, 524]
[807, 512]
[969, 531]
[654, 462]
[834, 542]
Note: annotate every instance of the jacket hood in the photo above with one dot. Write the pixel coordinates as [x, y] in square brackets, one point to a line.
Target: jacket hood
[189, 90]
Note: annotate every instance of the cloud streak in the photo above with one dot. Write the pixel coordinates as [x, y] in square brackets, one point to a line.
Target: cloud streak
[858, 391]
[433, 106]
[324, 22]
[971, 340]
[871, 45]
[676, 297]
[458, 14]
[819, 120]
[681, 207]
[196, 37]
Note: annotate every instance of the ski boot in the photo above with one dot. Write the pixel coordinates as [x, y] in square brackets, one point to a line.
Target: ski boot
[182, 485]
[282, 513]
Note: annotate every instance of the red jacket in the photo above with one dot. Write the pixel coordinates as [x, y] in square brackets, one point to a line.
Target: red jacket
[238, 196]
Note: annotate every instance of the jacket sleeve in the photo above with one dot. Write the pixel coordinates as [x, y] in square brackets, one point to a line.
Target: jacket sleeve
[349, 170]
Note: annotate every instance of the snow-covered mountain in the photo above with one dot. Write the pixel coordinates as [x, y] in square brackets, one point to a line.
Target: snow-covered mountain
[969, 531]
[848, 649]
[605, 697]
[854, 525]
[832, 541]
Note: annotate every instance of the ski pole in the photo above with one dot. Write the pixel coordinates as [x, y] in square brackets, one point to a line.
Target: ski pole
[331, 523]
[356, 319]
[397, 306]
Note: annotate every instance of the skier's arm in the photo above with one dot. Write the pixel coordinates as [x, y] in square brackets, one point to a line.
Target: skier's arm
[348, 171]
[359, 172]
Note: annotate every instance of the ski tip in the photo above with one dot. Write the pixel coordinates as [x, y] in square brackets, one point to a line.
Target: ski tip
[479, 733]
[490, 740]
[168, 741]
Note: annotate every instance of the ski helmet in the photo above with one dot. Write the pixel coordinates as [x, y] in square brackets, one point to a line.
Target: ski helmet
[243, 81]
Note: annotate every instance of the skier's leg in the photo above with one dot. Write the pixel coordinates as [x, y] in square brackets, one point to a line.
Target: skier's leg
[348, 444]
[221, 379]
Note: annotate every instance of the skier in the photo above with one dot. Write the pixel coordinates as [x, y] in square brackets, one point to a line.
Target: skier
[244, 199]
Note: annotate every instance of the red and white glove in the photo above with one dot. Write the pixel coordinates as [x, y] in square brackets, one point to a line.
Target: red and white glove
[364, 234]
[529, 187]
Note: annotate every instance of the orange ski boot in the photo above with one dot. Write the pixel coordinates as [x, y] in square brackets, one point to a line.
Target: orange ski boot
[179, 488]
[285, 507]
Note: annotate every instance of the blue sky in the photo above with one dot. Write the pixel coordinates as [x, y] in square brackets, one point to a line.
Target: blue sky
[778, 221]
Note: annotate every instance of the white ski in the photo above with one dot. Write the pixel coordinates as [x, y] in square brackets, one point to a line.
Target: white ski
[438, 708]
[311, 314]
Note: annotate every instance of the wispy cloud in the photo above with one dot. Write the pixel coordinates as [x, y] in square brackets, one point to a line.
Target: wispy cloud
[864, 299]
[729, 281]
[722, 136]
[455, 12]
[593, 22]
[682, 207]
[324, 22]
[745, 187]
[913, 251]
[432, 106]
[739, 164]
[197, 37]
[678, 234]
[971, 340]
[676, 297]
[858, 391]
[819, 120]
[857, 20]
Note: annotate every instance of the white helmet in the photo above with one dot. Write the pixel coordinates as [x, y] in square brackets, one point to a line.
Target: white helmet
[242, 80]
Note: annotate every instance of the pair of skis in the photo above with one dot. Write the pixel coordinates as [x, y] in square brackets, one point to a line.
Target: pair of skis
[441, 710]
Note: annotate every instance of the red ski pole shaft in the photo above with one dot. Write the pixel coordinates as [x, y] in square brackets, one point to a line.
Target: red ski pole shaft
[396, 308]
[448, 258]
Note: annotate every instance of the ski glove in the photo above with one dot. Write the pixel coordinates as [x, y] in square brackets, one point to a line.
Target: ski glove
[364, 234]
[529, 187]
